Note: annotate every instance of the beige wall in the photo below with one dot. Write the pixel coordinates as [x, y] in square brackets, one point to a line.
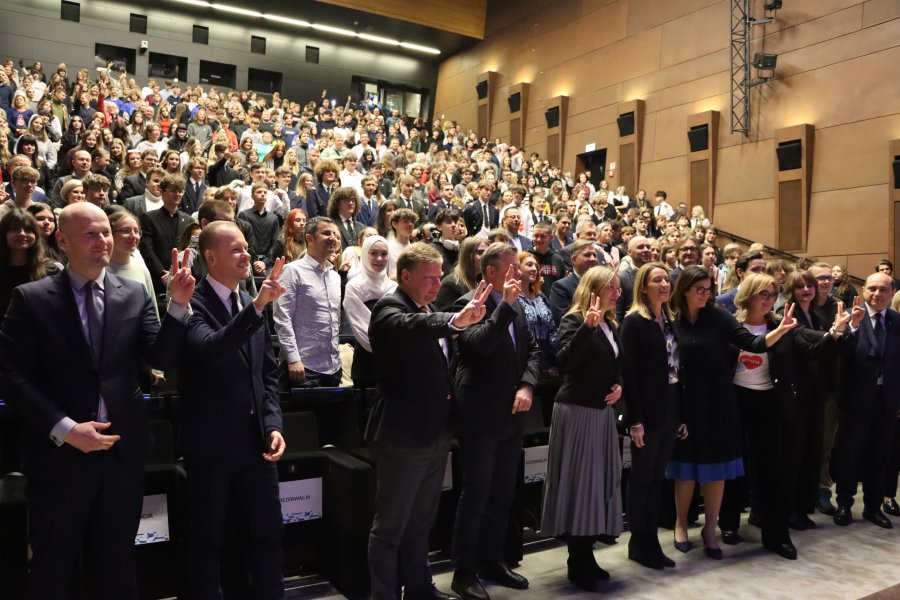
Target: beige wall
[838, 69]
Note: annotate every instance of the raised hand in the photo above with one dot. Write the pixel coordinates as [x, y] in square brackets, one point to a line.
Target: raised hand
[474, 310]
[841, 318]
[788, 321]
[181, 282]
[512, 285]
[270, 289]
[594, 315]
[856, 313]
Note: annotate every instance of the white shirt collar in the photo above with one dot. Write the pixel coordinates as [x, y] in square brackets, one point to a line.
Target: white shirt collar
[221, 291]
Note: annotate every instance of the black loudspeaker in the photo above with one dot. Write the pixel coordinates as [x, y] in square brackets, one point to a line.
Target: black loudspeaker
[896, 165]
[789, 154]
[482, 89]
[515, 102]
[626, 124]
[552, 116]
[698, 137]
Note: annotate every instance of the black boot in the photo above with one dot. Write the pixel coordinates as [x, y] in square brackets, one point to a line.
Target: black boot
[580, 560]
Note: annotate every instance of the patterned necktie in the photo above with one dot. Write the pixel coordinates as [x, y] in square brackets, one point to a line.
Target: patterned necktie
[95, 323]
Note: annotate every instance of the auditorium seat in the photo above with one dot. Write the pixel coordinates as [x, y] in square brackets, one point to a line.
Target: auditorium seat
[338, 413]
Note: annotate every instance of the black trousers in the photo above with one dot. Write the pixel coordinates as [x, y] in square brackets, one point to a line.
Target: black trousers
[490, 468]
[893, 468]
[861, 451]
[645, 483]
[802, 452]
[93, 499]
[764, 432]
[406, 504]
[247, 487]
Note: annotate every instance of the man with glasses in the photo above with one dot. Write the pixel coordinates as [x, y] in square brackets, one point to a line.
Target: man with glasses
[688, 254]
[746, 263]
[24, 182]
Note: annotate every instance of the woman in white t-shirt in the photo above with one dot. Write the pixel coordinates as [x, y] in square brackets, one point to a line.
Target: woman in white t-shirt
[774, 390]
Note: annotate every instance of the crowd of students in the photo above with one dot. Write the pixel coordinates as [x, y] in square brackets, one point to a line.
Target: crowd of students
[616, 296]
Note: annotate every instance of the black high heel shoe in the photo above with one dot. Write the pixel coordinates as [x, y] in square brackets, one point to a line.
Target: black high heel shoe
[714, 553]
[685, 546]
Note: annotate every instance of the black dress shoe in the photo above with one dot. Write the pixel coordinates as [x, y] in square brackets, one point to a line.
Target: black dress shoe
[469, 589]
[891, 507]
[824, 505]
[785, 550]
[651, 562]
[581, 579]
[876, 517]
[732, 538]
[795, 522]
[429, 594]
[842, 516]
[666, 561]
[500, 574]
[714, 553]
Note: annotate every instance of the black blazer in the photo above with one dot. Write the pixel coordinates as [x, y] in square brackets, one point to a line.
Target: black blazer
[862, 362]
[317, 201]
[157, 241]
[191, 200]
[473, 217]
[228, 368]
[589, 365]
[136, 205]
[413, 396]
[645, 372]
[133, 185]
[43, 321]
[561, 295]
[347, 239]
[490, 369]
[450, 257]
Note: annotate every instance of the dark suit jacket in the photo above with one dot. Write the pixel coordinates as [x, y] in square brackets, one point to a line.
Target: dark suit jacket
[626, 297]
[490, 369]
[43, 321]
[589, 365]
[228, 368]
[133, 185]
[862, 362]
[347, 239]
[191, 200]
[473, 217]
[367, 216]
[645, 372]
[526, 243]
[157, 241]
[561, 295]
[726, 300]
[413, 396]
[414, 204]
[317, 201]
[136, 205]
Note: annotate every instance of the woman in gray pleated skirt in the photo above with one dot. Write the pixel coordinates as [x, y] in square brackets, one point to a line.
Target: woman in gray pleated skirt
[582, 489]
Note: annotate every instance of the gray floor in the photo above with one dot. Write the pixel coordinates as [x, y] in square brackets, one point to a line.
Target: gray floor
[835, 563]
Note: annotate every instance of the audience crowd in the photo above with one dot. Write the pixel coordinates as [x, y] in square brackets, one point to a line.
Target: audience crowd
[767, 382]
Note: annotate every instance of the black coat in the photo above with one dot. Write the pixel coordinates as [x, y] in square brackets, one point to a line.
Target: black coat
[588, 363]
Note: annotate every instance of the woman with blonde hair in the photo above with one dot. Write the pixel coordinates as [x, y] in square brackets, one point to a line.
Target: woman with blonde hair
[582, 495]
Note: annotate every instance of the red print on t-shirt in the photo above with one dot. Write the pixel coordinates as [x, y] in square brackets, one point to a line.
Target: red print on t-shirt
[751, 361]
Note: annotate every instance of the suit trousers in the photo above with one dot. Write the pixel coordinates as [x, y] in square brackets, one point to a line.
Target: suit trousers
[861, 451]
[648, 469]
[247, 486]
[893, 467]
[93, 499]
[406, 504]
[490, 467]
[829, 432]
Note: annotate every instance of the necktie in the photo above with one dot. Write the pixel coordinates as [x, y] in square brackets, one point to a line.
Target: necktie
[486, 221]
[95, 323]
[196, 191]
[352, 233]
[235, 307]
[879, 332]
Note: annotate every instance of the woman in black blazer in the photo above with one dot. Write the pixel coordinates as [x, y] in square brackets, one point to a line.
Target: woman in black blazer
[582, 493]
[653, 408]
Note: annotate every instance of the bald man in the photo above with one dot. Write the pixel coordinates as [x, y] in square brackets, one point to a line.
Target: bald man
[868, 399]
[70, 348]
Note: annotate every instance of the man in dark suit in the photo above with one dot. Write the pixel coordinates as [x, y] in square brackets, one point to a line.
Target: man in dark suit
[446, 222]
[443, 203]
[747, 263]
[688, 254]
[584, 256]
[150, 198]
[406, 196]
[639, 251]
[196, 186]
[317, 201]
[369, 202]
[497, 369]
[161, 229]
[133, 185]
[87, 422]
[868, 396]
[474, 213]
[512, 218]
[409, 428]
[231, 422]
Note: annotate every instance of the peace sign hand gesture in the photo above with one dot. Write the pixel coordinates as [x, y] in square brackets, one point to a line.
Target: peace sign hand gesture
[841, 318]
[512, 285]
[270, 289]
[856, 313]
[474, 310]
[787, 321]
[594, 314]
[181, 282]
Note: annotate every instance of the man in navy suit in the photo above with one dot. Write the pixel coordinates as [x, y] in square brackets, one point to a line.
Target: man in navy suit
[87, 423]
[196, 186]
[869, 396]
[474, 213]
[512, 218]
[368, 202]
[231, 423]
[409, 428]
[497, 370]
[584, 256]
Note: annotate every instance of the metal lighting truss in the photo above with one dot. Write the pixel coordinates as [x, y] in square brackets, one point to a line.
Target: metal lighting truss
[741, 23]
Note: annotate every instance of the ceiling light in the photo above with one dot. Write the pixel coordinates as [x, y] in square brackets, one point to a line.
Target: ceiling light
[196, 3]
[286, 20]
[237, 10]
[336, 30]
[420, 48]
[380, 40]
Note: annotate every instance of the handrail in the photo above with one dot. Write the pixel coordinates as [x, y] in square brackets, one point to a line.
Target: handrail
[779, 253]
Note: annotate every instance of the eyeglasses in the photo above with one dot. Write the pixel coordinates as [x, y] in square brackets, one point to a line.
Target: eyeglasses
[767, 295]
[127, 231]
[702, 291]
[824, 278]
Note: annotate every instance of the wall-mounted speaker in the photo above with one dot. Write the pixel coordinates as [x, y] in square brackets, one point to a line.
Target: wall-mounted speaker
[626, 124]
[698, 137]
[552, 117]
[482, 89]
[789, 155]
[515, 102]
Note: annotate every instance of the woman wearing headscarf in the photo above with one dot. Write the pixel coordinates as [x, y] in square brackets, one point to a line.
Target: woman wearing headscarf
[360, 295]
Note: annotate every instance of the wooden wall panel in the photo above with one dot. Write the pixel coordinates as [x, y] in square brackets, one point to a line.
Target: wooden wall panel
[861, 231]
[751, 219]
[431, 13]
[790, 214]
[700, 185]
[553, 148]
